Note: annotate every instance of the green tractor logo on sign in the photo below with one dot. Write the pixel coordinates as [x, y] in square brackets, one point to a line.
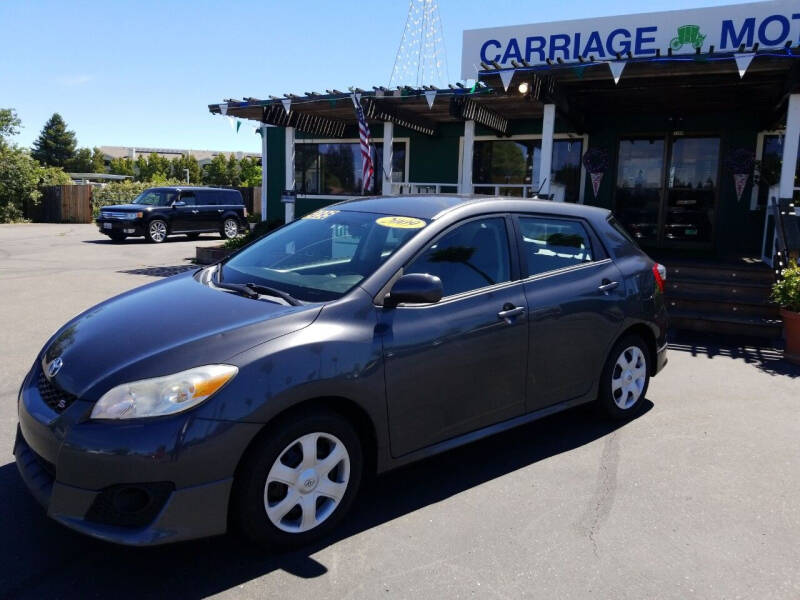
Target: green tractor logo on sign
[687, 34]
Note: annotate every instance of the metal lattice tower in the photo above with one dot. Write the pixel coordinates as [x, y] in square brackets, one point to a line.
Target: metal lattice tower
[421, 57]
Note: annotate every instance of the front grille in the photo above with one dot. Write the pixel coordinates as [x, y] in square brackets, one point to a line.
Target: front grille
[108, 214]
[53, 396]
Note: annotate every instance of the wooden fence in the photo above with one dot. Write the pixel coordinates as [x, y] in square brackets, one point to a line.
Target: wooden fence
[252, 198]
[62, 204]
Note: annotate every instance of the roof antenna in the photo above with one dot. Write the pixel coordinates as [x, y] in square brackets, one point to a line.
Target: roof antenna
[540, 187]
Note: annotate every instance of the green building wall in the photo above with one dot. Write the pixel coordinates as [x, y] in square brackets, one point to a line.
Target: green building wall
[435, 159]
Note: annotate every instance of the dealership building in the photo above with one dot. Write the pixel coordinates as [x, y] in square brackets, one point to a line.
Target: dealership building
[684, 123]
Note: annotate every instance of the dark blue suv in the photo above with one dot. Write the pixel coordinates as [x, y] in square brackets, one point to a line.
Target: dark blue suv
[162, 211]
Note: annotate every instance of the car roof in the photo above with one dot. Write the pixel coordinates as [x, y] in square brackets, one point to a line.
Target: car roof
[191, 187]
[433, 207]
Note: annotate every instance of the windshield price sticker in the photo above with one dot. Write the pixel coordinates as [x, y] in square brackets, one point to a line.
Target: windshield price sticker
[401, 222]
[321, 214]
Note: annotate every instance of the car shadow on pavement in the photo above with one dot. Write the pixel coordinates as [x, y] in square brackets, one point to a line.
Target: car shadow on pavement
[758, 352]
[161, 271]
[140, 240]
[43, 559]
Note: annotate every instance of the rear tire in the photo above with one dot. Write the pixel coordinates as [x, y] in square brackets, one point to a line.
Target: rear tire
[156, 231]
[625, 378]
[230, 228]
[287, 496]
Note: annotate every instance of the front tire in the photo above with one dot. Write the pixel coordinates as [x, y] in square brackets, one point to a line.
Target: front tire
[625, 377]
[298, 481]
[230, 228]
[156, 231]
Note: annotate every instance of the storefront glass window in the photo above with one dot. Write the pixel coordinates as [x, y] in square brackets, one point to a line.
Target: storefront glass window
[513, 165]
[769, 168]
[335, 168]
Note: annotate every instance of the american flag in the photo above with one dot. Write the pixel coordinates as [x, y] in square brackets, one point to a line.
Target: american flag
[367, 169]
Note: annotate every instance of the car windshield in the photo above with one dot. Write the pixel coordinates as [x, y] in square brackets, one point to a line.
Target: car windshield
[156, 198]
[323, 255]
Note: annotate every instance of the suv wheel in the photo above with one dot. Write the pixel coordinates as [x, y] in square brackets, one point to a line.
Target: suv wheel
[157, 231]
[297, 483]
[230, 228]
[625, 377]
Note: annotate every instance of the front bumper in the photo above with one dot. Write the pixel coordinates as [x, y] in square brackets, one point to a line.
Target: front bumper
[75, 467]
[132, 227]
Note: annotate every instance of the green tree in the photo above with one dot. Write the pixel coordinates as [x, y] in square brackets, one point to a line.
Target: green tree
[233, 171]
[55, 144]
[154, 167]
[20, 176]
[98, 161]
[216, 172]
[81, 162]
[53, 176]
[186, 162]
[9, 125]
[121, 166]
[250, 171]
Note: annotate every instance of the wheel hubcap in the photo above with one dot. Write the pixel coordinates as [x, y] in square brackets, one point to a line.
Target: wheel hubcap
[307, 482]
[231, 229]
[158, 231]
[628, 377]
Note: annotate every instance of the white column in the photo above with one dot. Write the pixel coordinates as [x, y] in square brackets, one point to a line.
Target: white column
[388, 138]
[288, 208]
[546, 156]
[263, 171]
[790, 143]
[465, 186]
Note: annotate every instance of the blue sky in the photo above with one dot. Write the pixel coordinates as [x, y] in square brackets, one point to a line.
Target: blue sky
[142, 73]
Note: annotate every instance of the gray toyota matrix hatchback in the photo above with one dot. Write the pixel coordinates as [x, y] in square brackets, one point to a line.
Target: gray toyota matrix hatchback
[366, 335]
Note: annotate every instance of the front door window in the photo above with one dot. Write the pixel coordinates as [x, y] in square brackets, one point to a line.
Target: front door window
[640, 176]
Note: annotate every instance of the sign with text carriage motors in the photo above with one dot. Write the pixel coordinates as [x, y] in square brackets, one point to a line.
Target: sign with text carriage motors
[770, 24]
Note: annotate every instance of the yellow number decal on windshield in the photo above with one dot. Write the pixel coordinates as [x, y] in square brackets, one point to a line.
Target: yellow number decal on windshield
[401, 222]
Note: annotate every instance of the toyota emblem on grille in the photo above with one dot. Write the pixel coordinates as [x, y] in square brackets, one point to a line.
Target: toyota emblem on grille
[54, 367]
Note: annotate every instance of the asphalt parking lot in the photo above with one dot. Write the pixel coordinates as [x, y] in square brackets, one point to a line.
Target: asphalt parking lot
[697, 497]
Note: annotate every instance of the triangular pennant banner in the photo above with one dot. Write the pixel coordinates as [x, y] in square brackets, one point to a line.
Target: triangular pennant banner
[238, 125]
[617, 67]
[579, 71]
[223, 108]
[506, 77]
[287, 102]
[232, 122]
[430, 96]
[743, 61]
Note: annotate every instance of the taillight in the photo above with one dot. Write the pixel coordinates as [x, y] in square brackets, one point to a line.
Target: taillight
[660, 273]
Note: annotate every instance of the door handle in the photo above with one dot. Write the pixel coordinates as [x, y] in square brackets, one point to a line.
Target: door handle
[607, 286]
[194, 212]
[510, 311]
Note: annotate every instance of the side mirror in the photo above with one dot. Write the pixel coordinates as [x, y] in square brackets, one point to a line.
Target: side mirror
[178, 203]
[414, 288]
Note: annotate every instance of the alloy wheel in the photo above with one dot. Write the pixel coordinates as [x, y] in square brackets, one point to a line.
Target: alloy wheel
[231, 228]
[628, 377]
[158, 231]
[307, 482]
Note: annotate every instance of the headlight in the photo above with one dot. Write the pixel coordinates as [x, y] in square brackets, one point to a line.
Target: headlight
[163, 395]
[132, 216]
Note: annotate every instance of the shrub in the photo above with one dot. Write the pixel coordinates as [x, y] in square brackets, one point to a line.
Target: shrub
[786, 291]
[20, 177]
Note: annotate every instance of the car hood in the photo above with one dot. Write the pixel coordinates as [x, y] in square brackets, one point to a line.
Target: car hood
[162, 328]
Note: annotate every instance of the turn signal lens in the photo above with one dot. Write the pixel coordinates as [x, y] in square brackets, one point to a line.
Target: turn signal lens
[163, 395]
[660, 273]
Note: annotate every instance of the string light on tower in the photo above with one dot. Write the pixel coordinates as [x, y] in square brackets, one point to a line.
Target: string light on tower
[421, 58]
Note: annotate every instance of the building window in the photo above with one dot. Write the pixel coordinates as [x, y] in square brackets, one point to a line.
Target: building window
[334, 169]
[769, 167]
[508, 166]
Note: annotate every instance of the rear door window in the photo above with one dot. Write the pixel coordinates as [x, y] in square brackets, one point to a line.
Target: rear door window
[189, 198]
[549, 244]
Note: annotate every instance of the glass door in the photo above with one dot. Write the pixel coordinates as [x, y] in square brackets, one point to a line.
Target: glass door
[691, 191]
[639, 191]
